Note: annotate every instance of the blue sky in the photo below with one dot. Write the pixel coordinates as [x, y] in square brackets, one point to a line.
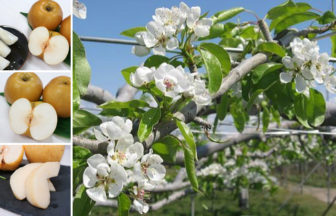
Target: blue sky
[107, 18]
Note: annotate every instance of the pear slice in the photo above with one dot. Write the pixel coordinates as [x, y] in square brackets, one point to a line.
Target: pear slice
[8, 37]
[4, 49]
[37, 120]
[52, 47]
[10, 156]
[19, 177]
[18, 180]
[37, 186]
[3, 63]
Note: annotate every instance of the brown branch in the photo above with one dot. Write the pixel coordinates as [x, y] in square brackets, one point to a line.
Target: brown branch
[126, 93]
[94, 146]
[97, 95]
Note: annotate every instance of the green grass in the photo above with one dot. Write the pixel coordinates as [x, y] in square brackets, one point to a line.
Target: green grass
[223, 204]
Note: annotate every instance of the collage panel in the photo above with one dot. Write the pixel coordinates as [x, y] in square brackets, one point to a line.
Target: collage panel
[35, 35]
[35, 107]
[35, 180]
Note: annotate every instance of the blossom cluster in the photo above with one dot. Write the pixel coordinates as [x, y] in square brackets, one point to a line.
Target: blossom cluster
[307, 66]
[106, 177]
[173, 82]
[255, 171]
[162, 32]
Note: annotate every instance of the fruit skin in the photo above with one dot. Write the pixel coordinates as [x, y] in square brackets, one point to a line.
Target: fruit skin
[44, 153]
[58, 94]
[15, 164]
[23, 85]
[66, 29]
[45, 13]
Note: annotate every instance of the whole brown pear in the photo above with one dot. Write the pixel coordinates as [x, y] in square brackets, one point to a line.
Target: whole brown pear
[66, 29]
[23, 85]
[58, 94]
[45, 13]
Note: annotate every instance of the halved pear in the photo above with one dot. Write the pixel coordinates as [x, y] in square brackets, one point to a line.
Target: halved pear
[37, 186]
[52, 47]
[37, 120]
[19, 177]
[10, 156]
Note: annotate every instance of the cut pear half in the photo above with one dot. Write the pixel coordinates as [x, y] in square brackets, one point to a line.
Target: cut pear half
[37, 120]
[10, 156]
[37, 184]
[52, 47]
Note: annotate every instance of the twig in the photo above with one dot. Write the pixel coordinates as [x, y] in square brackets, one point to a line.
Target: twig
[329, 207]
[202, 122]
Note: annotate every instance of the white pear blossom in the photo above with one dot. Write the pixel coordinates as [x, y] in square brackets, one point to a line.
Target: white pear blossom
[114, 130]
[201, 27]
[142, 76]
[101, 178]
[330, 83]
[140, 50]
[140, 206]
[198, 91]
[157, 38]
[306, 66]
[125, 152]
[171, 81]
[79, 9]
[150, 167]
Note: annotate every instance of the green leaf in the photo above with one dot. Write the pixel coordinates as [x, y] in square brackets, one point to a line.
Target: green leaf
[285, 10]
[220, 54]
[119, 104]
[132, 31]
[333, 45]
[327, 17]
[316, 108]
[127, 73]
[239, 115]
[216, 30]
[271, 47]
[167, 148]
[124, 204]
[63, 128]
[82, 204]
[264, 69]
[213, 67]
[265, 118]
[189, 164]
[80, 156]
[83, 120]
[300, 106]
[295, 19]
[148, 121]
[81, 67]
[75, 96]
[188, 136]
[157, 60]
[222, 107]
[226, 14]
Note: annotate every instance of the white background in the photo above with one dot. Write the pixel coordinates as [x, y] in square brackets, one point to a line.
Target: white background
[10, 16]
[6, 134]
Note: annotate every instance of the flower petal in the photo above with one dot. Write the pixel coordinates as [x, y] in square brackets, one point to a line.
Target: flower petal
[300, 84]
[156, 172]
[99, 136]
[97, 193]
[95, 160]
[140, 51]
[115, 189]
[172, 43]
[286, 77]
[89, 177]
[124, 143]
[159, 50]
